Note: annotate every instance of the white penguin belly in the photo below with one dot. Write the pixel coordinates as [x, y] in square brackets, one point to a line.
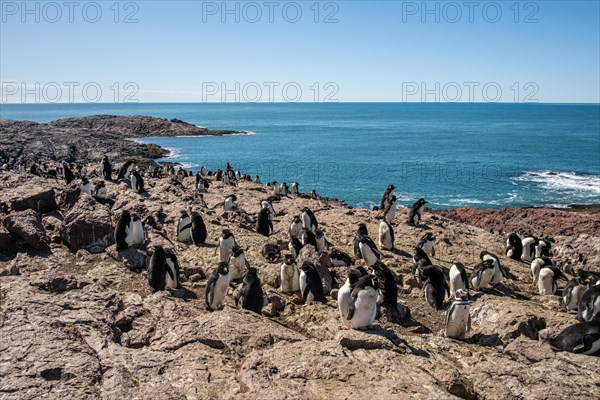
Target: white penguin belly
[138, 233]
[367, 254]
[545, 286]
[457, 324]
[365, 308]
[428, 247]
[296, 230]
[344, 302]
[237, 266]
[287, 278]
[169, 282]
[219, 292]
[497, 276]
[228, 204]
[321, 245]
[456, 281]
[486, 278]
[225, 247]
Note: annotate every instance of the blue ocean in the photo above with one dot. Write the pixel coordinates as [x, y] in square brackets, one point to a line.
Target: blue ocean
[479, 155]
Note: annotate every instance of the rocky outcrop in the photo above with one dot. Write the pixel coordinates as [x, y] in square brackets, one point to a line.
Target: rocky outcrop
[87, 225]
[90, 138]
[534, 221]
[28, 226]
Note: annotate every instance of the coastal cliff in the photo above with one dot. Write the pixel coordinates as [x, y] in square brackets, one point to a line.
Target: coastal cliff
[79, 321]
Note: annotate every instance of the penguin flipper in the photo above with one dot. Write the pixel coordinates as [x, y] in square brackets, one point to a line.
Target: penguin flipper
[351, 309]
[448, 314]
[447, 287]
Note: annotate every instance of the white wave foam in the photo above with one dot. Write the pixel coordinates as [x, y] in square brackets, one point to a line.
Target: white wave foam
[189, 165]
[173, 152]
[571, 181]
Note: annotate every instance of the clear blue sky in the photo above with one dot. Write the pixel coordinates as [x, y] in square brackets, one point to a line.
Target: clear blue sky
[376, 51]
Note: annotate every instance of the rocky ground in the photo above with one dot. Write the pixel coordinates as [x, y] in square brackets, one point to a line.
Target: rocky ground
[90, 138]
[78, 320]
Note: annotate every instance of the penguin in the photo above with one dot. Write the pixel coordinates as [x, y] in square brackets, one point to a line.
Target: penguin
[572, 294]
[229, 203]
[387, 197]
[581, 338]
[283, 189]
[67, 173]
[416, 212]
[386, 235]
[482, 275]
[268, 205]
[257, 180]
[198, 229]
[589, 306]
[345, 295]
[528, 244]
[295, 229]
[100, 190]
[136, 231]
[309, 238]
[250, 296]
[294, 246]
[435, 285]
[202, 186]
[216, 287]
[368, 250]
[360, 232]
[543, 247]
[309, 221]
[567, 267]
[458, 278]
[547, 280]
[340, 259]
[203, 172]
[122, 230]
[137, 182]
[218, 175]
[106, 169]
[389, 213]
[499, 272]
[86, 186]
[390, 289]
[514, 247]
[271, 252]
[125, 169]
[458, 316]
[290, 278]
[173, 265]
[311, 287]
[421, 255]
[363, 303]
[276, 188]
[226, 243]
[536, 266]
[427, 243]
[159, 272]
[295, 188]
[184, 227]
[264, 226]
[238, 263]
[320, 241]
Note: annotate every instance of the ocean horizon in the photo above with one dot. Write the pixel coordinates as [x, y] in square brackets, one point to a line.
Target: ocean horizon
[464, 154]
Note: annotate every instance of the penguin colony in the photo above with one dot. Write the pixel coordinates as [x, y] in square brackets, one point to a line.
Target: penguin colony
[370, 284]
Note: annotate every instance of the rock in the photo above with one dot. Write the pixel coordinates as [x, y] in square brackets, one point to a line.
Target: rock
[528, 351]
[369, 340]
[60, 284]
[87, 225]
[28, 226]
[270, 274]
[321, 261]
[14, 270]
[69, 196]
[30, 197]
[196, 278]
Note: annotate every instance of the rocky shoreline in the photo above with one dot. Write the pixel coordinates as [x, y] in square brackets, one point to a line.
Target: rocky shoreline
[79, 321]
[88, 139]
